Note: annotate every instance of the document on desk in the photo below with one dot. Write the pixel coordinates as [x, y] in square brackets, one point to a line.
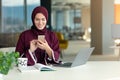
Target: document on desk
[42, 67]
[36, 67]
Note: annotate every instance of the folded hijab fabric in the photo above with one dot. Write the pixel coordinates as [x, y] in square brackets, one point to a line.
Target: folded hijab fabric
[36, 10]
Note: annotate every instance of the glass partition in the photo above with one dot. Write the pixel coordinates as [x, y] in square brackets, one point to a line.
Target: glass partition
[12, 16]
[15, 18]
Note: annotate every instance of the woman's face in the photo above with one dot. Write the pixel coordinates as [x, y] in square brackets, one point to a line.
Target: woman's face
[40, 21]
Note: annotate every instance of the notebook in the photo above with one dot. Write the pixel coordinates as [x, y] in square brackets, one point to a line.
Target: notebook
[37, 67]
[81, 58]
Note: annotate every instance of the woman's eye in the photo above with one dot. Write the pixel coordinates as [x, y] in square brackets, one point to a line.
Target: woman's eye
[43, 19]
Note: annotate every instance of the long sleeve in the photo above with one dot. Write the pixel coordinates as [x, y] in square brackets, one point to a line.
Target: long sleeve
[54, 44]
[23, 46]
[23, 50]
[56, 50]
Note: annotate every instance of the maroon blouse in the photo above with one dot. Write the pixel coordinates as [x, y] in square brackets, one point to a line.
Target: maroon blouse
[23, 46]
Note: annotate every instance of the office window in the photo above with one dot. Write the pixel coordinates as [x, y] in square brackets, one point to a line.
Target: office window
[12, 16]
[59, 20]
[15, 17]
[74, 28]
[74, 14]
[31, 4]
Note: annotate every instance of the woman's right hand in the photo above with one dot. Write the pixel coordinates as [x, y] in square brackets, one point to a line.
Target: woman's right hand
[33, 45]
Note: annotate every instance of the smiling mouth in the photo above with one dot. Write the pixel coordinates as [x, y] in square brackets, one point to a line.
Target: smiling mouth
[40, 27]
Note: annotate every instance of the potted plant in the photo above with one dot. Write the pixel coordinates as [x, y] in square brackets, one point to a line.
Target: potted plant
[7, 61]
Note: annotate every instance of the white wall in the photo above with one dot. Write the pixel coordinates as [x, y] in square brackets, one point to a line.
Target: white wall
[107, 20]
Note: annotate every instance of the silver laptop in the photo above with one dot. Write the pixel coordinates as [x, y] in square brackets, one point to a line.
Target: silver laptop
[81, 58]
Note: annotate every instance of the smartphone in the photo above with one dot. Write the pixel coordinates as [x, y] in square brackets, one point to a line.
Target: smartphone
[41, 37]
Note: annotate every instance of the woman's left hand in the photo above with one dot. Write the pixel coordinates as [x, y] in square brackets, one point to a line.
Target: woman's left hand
[44, 46]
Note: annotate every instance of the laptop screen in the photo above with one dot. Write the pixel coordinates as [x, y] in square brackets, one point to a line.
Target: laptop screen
[82, 57]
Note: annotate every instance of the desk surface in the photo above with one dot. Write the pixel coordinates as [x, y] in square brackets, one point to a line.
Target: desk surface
[92, 70]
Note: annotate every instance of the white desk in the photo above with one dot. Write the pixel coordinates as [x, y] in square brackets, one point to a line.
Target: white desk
[93, 70]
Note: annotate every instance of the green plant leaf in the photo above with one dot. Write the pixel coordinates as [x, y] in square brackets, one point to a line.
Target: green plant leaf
[7, 61]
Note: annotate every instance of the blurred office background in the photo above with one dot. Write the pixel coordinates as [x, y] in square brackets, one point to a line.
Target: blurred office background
[83, 23]
[65, 18]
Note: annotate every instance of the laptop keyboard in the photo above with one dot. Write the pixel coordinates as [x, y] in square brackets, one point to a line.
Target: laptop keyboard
[67, 64]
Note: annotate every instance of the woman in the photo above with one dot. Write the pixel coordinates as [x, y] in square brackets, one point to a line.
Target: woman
[39, 51]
